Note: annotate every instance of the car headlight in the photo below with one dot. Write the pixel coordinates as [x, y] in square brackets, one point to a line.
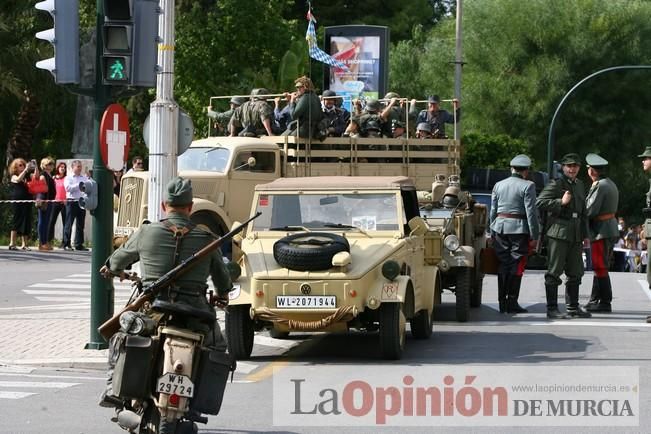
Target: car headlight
[451, 242]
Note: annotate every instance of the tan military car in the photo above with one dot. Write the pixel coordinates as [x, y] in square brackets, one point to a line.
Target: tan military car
[330, 254]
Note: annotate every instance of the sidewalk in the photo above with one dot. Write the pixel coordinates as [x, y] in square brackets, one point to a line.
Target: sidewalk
[53, 338]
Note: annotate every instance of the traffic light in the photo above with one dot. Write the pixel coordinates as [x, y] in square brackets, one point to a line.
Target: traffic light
[129, 35]
[88, 199]
[64, 66]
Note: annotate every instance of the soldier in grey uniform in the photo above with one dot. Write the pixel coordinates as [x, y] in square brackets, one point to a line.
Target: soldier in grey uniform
[253, 118]
[514, 226]
[155, 246]
[601, 206]
[367, 122]
[646, 165]
[222, 119]
[564, 201]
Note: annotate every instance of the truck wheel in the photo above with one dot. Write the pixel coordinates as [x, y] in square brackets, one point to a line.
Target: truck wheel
[462, 291]
[421, 325]
[392, 331]
[477, 288]
[239, 331]
[311, 251]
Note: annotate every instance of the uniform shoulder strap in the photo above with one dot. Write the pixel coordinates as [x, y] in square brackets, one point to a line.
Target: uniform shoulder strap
[178, 235]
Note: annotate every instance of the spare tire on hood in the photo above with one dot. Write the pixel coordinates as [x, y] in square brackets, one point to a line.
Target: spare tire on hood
[309, 251]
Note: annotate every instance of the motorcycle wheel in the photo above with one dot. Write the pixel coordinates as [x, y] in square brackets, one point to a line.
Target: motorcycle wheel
[152, 424]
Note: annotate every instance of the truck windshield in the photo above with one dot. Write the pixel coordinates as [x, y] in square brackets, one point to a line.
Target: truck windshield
[204, 159]
[334, 212]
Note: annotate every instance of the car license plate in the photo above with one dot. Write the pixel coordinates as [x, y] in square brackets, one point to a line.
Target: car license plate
[175, 384]
[306, 301]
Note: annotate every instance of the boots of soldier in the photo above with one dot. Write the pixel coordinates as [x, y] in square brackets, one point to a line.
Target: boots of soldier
[512, 294]
[594, 295]
[551, 291]
[501, 291]
[573, 308]
[605, 297]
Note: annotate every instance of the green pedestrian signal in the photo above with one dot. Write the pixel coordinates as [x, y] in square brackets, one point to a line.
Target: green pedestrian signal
[116, 70]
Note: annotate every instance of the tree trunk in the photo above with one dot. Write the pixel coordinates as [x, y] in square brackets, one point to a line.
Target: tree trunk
[20, 141]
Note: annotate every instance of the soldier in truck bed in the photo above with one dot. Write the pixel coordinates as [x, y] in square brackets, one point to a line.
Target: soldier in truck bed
[254, 118]
[435, 116]
[222, 119]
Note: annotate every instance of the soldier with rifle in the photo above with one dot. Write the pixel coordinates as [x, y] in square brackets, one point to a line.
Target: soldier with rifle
[162, 246]
[646, 165]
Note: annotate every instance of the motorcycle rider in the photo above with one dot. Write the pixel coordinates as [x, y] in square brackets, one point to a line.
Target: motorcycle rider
[155, 246]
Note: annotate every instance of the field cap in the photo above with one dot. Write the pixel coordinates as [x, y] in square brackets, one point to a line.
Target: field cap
[594, 160]
[646, 153]
[571, 158]
[179, 192]
[521, 160]
[433, 99]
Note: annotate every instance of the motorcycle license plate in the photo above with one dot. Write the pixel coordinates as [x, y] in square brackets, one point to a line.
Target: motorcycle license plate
[175, 384]
[306, 301]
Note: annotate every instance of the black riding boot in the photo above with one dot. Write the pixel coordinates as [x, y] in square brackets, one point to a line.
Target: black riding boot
[573, 308]
[551, 291]
[501, 291]
[595, 295]
[605, 297]
[513, 292]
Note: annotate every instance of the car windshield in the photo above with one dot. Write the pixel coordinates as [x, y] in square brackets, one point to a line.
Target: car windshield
[365, 211]
[204, 159]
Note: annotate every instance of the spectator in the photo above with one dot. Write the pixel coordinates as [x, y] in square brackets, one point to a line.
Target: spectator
[58, 207]
[74, 213]
[21, 223]
[117, 179]
[137, 164]
[621, 224]
[45, 208]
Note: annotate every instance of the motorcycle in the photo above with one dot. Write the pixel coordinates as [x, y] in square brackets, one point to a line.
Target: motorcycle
[165, 375]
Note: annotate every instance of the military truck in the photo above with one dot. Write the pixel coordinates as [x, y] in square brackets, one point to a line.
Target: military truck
[333, 253]
[225, 171]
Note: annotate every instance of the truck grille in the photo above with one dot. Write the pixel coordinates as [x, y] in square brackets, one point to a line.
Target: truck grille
[131, 192]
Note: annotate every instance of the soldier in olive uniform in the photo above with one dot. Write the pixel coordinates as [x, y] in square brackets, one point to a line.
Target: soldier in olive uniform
[601, 206]
[564, 201]
[155, 246]
[366, 122]
[253, 118]
[222, 119]
[514, 225]
[646, 165]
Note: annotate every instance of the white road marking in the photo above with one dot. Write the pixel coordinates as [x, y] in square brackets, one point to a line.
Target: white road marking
[579, 322]
[46, 307]
[76, 299]
[14, 395]
[645, 288]
[58, 292]
[60, 286]
[67, 377]
[245, 367]
[271, 342]
[34, 384]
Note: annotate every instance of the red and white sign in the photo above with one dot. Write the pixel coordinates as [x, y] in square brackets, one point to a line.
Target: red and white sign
[114, 137]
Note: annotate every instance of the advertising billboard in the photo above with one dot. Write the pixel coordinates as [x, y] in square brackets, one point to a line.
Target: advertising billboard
[365, 51]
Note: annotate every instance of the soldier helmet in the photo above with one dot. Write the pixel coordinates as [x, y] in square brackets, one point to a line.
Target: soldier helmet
[390, 95]
[521, 161]
[372, 105]
[433, 99]
[424, 126]
[451, 197]
[327, 93]
[237, 100]
[397, 124]
[373, 125]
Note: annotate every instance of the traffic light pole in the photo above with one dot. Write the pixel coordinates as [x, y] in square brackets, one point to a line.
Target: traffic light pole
[101, 290]
[163, 131]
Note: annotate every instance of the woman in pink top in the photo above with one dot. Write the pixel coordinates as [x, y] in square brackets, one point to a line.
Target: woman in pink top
[59, 207]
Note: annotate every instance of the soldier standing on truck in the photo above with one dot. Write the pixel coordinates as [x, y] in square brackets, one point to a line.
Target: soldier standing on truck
[564, 201]
[254, 117]
[365, 122]
[435, 116]
[222, 119]
[514, 227]
[601, 205]
[305, 107]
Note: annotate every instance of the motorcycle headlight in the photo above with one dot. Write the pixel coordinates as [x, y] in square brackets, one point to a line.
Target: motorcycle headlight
[451, 242]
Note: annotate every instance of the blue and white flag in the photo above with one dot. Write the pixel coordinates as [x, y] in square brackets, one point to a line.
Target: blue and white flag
[315, 52]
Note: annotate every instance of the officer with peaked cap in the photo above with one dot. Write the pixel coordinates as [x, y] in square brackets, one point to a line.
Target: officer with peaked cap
[601, 205]
[514, 225]
[646, 165]
[564, 202]
[160, 247]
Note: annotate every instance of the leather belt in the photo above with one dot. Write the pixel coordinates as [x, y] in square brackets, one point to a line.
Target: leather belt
[511, 216]
[604, 217]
